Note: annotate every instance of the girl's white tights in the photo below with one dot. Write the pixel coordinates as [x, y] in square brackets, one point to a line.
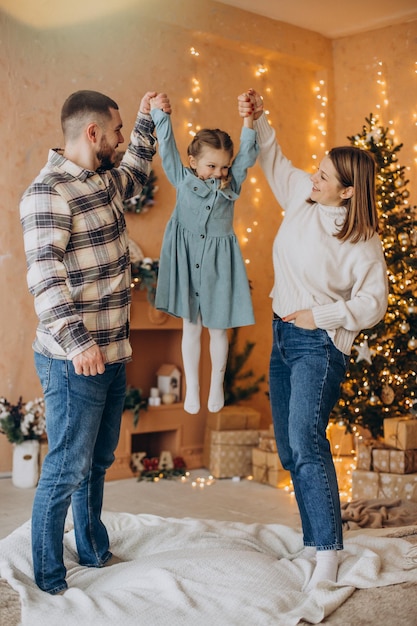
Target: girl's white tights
[219, 348]
[191, 350]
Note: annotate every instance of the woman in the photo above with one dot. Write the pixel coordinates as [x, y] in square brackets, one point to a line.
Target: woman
[330, 283]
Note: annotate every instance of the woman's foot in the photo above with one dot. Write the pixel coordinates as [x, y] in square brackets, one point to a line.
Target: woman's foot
[327, 564]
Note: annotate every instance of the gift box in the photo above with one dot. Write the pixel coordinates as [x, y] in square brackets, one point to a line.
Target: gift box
[381, 485]
[394, 461]
[228, 453]
[267, 469]
[234, 418]
[364, 453]
[341, 442]
[267, 440]
[401, 432]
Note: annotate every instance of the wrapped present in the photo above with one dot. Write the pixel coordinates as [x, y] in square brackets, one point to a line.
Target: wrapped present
[381, 485]
[364, 452]
[228, 453]
[364, 455]
[267, 468]
[401, 432]
[267, 441]
[234, 418]
[394, 461]
[341, 442]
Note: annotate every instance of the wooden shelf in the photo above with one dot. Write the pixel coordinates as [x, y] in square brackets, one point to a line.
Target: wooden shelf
[170, 426]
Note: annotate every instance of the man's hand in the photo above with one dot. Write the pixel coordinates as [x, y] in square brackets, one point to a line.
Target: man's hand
[154, 100]
[90, 362]
[145, 103]
[302, 319]
[161, 101]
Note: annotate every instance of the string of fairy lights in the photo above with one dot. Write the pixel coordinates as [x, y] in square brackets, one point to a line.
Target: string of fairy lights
[319, 135]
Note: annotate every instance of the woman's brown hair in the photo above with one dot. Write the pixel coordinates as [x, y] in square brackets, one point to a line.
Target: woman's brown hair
[356, 168]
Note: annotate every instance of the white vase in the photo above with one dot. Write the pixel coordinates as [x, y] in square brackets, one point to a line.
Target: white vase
[25, 472]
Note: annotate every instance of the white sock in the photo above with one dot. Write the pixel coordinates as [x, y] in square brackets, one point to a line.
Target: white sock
[216, 395]
[327, 563]
[192, 399]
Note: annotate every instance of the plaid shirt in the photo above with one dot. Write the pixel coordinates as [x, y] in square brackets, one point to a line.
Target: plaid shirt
[77, 251]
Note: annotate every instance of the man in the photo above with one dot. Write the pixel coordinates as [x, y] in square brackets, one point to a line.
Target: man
[79, 274]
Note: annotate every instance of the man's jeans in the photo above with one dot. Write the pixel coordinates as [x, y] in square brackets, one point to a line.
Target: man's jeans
[306, 370]
[83, 415]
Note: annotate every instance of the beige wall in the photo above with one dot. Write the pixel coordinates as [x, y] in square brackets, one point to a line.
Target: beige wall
[376, 73]
[144, 45]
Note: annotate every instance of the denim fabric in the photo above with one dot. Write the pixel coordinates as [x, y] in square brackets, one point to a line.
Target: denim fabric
[83, 415]
[306, 370]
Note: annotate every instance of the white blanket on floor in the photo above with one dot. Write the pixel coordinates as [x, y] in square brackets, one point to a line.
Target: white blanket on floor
[189, 572]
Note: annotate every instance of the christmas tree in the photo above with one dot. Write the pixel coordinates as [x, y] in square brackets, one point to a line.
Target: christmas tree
[381, 381]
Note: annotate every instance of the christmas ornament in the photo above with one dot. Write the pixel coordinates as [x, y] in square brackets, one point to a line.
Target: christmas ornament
[365, 353]
[387, 394]
[404, 327]
[412, 344]
[373, 399]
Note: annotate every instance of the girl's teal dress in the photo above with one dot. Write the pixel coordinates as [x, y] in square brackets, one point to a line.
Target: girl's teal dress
[201, 269]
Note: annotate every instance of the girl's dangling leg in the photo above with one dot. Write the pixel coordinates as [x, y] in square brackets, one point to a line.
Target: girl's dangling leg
[219, 348]
[191, 349]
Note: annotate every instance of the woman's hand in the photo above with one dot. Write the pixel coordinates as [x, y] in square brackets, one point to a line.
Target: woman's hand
[250, 103]
[302, 319]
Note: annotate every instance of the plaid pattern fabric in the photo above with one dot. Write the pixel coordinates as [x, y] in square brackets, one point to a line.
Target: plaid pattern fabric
[77, 252]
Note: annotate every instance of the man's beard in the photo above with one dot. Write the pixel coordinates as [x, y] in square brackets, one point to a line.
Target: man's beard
[106, 156]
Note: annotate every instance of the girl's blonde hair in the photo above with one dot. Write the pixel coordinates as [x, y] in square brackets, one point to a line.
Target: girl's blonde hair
[356, 168]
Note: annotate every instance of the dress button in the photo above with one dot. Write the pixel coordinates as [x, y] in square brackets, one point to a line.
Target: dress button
[202, 236]
[197, 265]
[197, 294]
[195, 188]
[208, 208]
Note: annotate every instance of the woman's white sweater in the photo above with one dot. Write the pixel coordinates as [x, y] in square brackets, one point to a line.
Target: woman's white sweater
[343, 283]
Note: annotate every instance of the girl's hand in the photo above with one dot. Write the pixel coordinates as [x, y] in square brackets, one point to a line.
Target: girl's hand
[161, 101]
[250, 103]
[154, 100]
[302, 319]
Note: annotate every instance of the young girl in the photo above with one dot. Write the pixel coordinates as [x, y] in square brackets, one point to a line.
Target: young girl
[202, 276]
[330, 283]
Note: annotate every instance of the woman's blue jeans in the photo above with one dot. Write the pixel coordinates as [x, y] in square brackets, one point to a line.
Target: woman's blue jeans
[306, 370]
[83, 415]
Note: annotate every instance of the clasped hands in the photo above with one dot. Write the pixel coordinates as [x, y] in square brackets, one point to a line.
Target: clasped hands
[155, 100]
[250, 103]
